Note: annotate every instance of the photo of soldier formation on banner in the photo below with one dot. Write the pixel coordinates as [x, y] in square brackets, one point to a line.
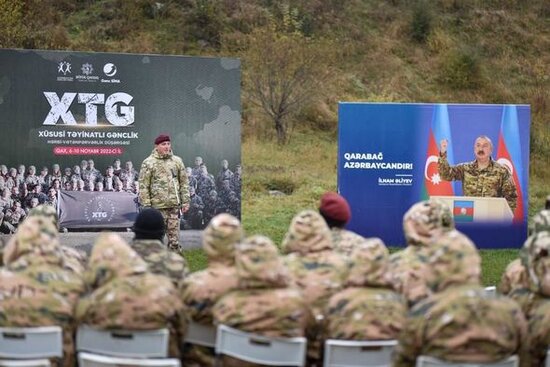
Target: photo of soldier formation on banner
[23, 188]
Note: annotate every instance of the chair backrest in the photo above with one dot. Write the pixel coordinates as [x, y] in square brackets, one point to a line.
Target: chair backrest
[25, 363]
[427, 361]
[260, 349]
[31, 343]
[123, 343]
[547, 364]
[491, 290]
[204, 335]
[351, 353]
[96, 360]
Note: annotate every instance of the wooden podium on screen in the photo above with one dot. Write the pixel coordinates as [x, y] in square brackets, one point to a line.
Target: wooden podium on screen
[478, 209]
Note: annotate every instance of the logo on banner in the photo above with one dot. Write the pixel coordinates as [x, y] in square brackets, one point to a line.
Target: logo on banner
[109, 69]
[99, 209]
[430, 172]
[64, 68]
[87, 69]
[463, 210]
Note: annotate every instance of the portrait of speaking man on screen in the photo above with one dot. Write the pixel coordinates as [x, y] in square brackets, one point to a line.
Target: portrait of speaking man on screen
[482, 177]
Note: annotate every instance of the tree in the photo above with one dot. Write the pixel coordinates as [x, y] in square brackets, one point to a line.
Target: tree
[283, 72]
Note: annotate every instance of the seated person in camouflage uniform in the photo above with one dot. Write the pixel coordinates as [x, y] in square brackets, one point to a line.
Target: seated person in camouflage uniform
[125, 295]
[367, 309]
[201, 290]
[460, 322]
[34, 252]
[315, 267]
[535, 260]
[515, 276]
[423, 223]
[335, 209]
[149, 232]
[264, 302]
[74, 260]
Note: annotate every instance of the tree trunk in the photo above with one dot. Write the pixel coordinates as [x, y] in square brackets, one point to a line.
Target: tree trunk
[281, 130]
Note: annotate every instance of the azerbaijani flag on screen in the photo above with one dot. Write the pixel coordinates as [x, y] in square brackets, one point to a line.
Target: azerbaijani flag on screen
[463, 210]
[509, 154]
[440, 129]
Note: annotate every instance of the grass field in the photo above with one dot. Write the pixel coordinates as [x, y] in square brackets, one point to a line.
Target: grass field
[302, 171]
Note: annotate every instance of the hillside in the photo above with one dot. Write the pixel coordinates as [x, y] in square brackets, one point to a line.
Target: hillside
[475, 51]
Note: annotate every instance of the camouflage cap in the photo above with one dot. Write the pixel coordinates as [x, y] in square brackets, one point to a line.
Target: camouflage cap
[47, 211]
[112, 257]
[452, 260]
[308, 232]
[36, 239]
[535, 257]
[426, 220]
[259, 264]
[369, 264]
[541, 222]
[220, 237]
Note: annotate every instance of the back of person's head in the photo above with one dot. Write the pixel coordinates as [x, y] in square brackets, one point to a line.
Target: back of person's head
[426, 220]
[540, 222]
[369, 264]
[535, 257]
[112, 257]
[259, 264]
[149, 224]
[36, 239]
[334, 208]
[47, 211]
[308, 232]
[220, 237]
[453, 260]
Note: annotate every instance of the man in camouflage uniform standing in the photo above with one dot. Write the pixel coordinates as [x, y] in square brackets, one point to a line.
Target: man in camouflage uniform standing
[483, 176]
[149, 231]
[163, 185]
[460, 322]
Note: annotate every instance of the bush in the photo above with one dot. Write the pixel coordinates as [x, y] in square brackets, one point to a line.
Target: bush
[421, 22]
[461, 69]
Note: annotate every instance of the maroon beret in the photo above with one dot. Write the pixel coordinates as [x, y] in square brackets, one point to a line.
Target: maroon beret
[161, 139]
[335, 207]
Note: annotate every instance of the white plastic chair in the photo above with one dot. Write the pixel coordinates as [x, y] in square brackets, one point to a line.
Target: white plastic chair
[427, 361]
[491, 290]
[352, 353]
[547, 364]
[201, 335]
[31, 343]
[25, 363]
[260, 349]
[123, 343]
[96, 360]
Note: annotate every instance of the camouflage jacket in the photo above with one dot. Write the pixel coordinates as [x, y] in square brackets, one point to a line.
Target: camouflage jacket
[160, 260]
[492, 181]
[513, 277]
[125, 295]
[539, 334]
[159, 177]
[462, 324]
[407, 272]
[365, 314]
[344, 240]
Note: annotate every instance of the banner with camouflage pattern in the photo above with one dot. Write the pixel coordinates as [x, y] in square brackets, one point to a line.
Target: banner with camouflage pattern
[389, 158]
[85, 121]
